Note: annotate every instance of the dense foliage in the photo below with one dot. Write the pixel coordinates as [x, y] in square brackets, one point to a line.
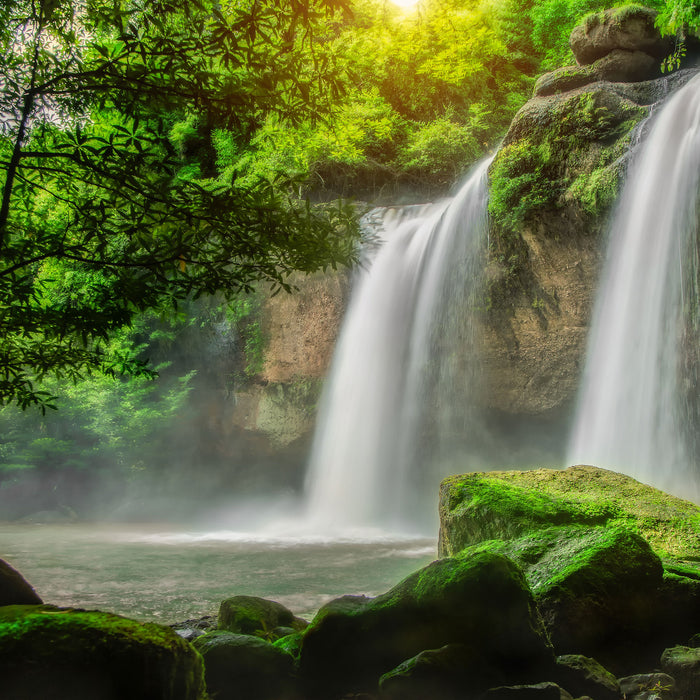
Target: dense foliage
[101, 215]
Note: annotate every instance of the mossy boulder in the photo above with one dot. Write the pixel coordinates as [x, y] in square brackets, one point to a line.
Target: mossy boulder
[581, 675]
[443, 673]
[242, 666]
[596, 588]
[628, 28]
[678, 605]
[508, 504]
[49, 653]
[588, 541]
[482, 603]
[617, 66]
[290, 644]
[682, 663]
[255, 616]
[14, 589]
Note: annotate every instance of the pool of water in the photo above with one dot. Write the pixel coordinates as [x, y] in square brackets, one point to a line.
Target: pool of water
[168, 575]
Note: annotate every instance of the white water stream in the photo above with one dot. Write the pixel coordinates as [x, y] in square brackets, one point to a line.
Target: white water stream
[633, 407]
[395, 372]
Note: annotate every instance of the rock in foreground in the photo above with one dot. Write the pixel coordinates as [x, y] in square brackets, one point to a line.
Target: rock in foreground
[481, 603]
[242, 666]
[49, 653]
[14, 589]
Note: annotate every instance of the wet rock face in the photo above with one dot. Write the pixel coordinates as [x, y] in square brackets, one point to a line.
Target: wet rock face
[554, 183]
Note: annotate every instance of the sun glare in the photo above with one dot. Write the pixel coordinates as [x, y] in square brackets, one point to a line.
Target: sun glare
[405, 3]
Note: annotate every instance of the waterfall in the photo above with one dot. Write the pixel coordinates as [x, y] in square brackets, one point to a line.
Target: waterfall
[396, 376]
[635, 409]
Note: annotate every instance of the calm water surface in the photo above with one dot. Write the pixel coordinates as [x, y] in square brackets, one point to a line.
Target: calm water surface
[164, 575]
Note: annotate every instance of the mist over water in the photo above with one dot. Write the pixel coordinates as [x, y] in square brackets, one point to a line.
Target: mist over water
[636, 404]
[165, 574]
[398, 382]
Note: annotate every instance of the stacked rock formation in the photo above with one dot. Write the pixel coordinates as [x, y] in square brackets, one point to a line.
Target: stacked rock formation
[618, 45]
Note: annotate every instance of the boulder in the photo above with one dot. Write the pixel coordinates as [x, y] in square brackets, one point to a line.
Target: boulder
[49, 653]
[630, 28]
[678, 605]
[242, 666]
[581, 675]
[683, 665]
[648, 686]
[290, 644]
[481, 602]
[622, 66]
[507, 504]
[14, 589]
[617, 66]
[595, 587]
[564, 79]
[259, 617]
[444, 673]
[584, 538]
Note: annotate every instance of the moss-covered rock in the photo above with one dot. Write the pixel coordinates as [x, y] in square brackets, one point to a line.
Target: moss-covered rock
[588, 541]
[683, 665]
[555, 142]
[290, 644]
[443, 673]
[595, 587]
[49, 653]
[255, 616]
[581, 675]
[242, 666]
[630, 28]
[678, 606]
[537, 691]
[617, 66]
[481, 602]
[507, 504]
[14, 589]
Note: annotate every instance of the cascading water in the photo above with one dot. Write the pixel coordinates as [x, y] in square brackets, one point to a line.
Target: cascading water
[396, 371]
[635, 406]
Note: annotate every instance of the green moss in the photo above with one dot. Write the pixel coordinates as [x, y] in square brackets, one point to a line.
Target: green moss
[291, 644]
[20, 619]
[255, 616]
[576, 560]
[502, 505]
[483, 508]
[566, 151]
[60, 647]
[617, 14]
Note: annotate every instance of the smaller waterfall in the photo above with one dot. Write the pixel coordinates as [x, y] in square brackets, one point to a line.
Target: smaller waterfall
[635, 405]
[395, 368]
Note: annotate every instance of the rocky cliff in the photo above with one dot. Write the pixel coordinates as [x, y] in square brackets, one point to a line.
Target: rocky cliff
[554, 182]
